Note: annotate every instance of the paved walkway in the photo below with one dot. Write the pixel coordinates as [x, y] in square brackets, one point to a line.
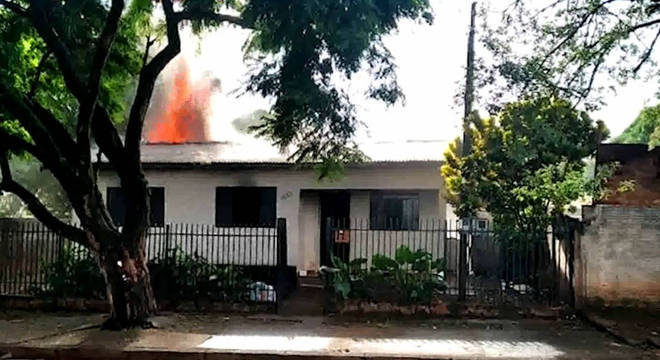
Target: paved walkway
[258, 337]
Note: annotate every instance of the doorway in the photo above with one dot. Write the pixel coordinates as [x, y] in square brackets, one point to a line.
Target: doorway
[335, 205]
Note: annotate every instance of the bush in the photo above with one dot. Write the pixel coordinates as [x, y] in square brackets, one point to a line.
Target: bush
[75, 275]
[185, 276]
[409, 278]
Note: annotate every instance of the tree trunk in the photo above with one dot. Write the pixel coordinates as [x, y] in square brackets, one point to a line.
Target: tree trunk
[128, 285]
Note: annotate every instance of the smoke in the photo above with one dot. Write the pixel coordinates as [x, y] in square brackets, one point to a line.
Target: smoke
[180, 107]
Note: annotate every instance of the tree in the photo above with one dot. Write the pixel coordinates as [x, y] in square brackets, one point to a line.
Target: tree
[66, 65]
[645, 129]
[565, 45]
[526, 164]
[41, 184]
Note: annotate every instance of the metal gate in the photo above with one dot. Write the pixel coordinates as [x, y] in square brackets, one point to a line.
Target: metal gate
[480, 263]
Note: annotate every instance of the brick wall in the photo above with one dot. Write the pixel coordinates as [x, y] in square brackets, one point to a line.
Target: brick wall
[618, 256]
[637, 164]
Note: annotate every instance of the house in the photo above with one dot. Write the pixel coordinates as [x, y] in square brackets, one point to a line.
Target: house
[231, 185]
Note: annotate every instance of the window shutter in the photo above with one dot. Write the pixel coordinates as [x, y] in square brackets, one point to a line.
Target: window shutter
[376, 211]
[267, 206]
[223, 206]
[116, 202]
[157, 206]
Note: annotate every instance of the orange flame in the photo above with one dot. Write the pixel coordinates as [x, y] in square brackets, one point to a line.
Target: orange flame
[183, 116]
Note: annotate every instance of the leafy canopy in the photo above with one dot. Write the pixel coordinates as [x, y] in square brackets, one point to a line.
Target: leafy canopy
[27, 67]
[570, 46]
[526, 164]
[645, 129]
[299, 51]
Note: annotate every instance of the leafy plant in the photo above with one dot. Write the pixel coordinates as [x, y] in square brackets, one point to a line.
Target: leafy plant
[411, 277]
[183, 275]
[75, 275]
[526, 164]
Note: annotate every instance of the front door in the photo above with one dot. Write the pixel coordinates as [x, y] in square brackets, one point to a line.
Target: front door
[336, 206]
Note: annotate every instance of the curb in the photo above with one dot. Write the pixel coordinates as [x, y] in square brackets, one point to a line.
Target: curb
[609, 327]
[80, 353]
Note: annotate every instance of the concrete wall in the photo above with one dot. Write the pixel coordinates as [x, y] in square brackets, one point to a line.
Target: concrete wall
[190, 197]
[618, 256]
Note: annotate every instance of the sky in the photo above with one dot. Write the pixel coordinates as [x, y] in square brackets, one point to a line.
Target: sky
[431, 61]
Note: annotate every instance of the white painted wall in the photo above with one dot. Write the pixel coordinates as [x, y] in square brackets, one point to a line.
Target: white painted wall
[190, 197]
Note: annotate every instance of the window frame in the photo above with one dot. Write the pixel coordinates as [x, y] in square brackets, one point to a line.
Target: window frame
[154, 224]
[264, 191]
[377, 203]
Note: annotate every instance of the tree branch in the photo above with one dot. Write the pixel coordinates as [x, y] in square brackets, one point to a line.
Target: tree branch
[87, 107]
[145, 88]
[147, 47]
[647, 53]
[36, 207]
[41, 128]
[645, 24]
[17, 9]
[57, 47]
[37, 76]
[59, 135]
[107, 138]
[16, 143]
[210, 16]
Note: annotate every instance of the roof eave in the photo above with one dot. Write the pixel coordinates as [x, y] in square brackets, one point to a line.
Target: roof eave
[277, 165]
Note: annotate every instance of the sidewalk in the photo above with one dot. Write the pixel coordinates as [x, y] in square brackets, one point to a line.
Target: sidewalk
[25, 335]
[636, 328]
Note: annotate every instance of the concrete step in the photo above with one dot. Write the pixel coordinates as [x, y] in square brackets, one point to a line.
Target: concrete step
[311, 282]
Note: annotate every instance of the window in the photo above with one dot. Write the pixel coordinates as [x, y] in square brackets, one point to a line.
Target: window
[116, 202]
[245, 206]
[394, 211]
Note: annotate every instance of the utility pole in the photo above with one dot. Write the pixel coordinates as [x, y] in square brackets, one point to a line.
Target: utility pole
[468, 97]
[466, 148]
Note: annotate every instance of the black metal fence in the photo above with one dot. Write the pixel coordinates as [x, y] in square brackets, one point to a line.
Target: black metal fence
[480, 263]
[186, 262]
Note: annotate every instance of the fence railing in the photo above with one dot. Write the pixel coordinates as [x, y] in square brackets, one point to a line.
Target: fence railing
[186, 261]
[495, 265]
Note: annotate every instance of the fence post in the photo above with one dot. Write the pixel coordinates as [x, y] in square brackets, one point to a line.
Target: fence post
[571, 265]
[462, 263]
[167, 244]
[329, 242]
[282, 261]
[281, 243]
[555, 278]
[59, 293]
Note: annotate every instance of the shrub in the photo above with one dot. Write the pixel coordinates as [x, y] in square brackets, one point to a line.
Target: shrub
[185, 276]
[408, 278]
[75, 275]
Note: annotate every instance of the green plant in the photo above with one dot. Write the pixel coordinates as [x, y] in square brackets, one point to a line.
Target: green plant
[411, 277]
[182, 275]
[76, 274]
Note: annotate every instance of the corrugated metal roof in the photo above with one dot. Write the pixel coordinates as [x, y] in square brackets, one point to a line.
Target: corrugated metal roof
[259, 152]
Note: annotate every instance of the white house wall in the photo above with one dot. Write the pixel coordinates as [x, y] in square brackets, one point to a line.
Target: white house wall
[190, 197]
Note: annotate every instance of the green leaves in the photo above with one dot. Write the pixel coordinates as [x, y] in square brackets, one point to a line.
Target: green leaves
[383, 263]
[302, 47]
[526, 163]
[555, 46]
[642, 130]
[411, 277]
